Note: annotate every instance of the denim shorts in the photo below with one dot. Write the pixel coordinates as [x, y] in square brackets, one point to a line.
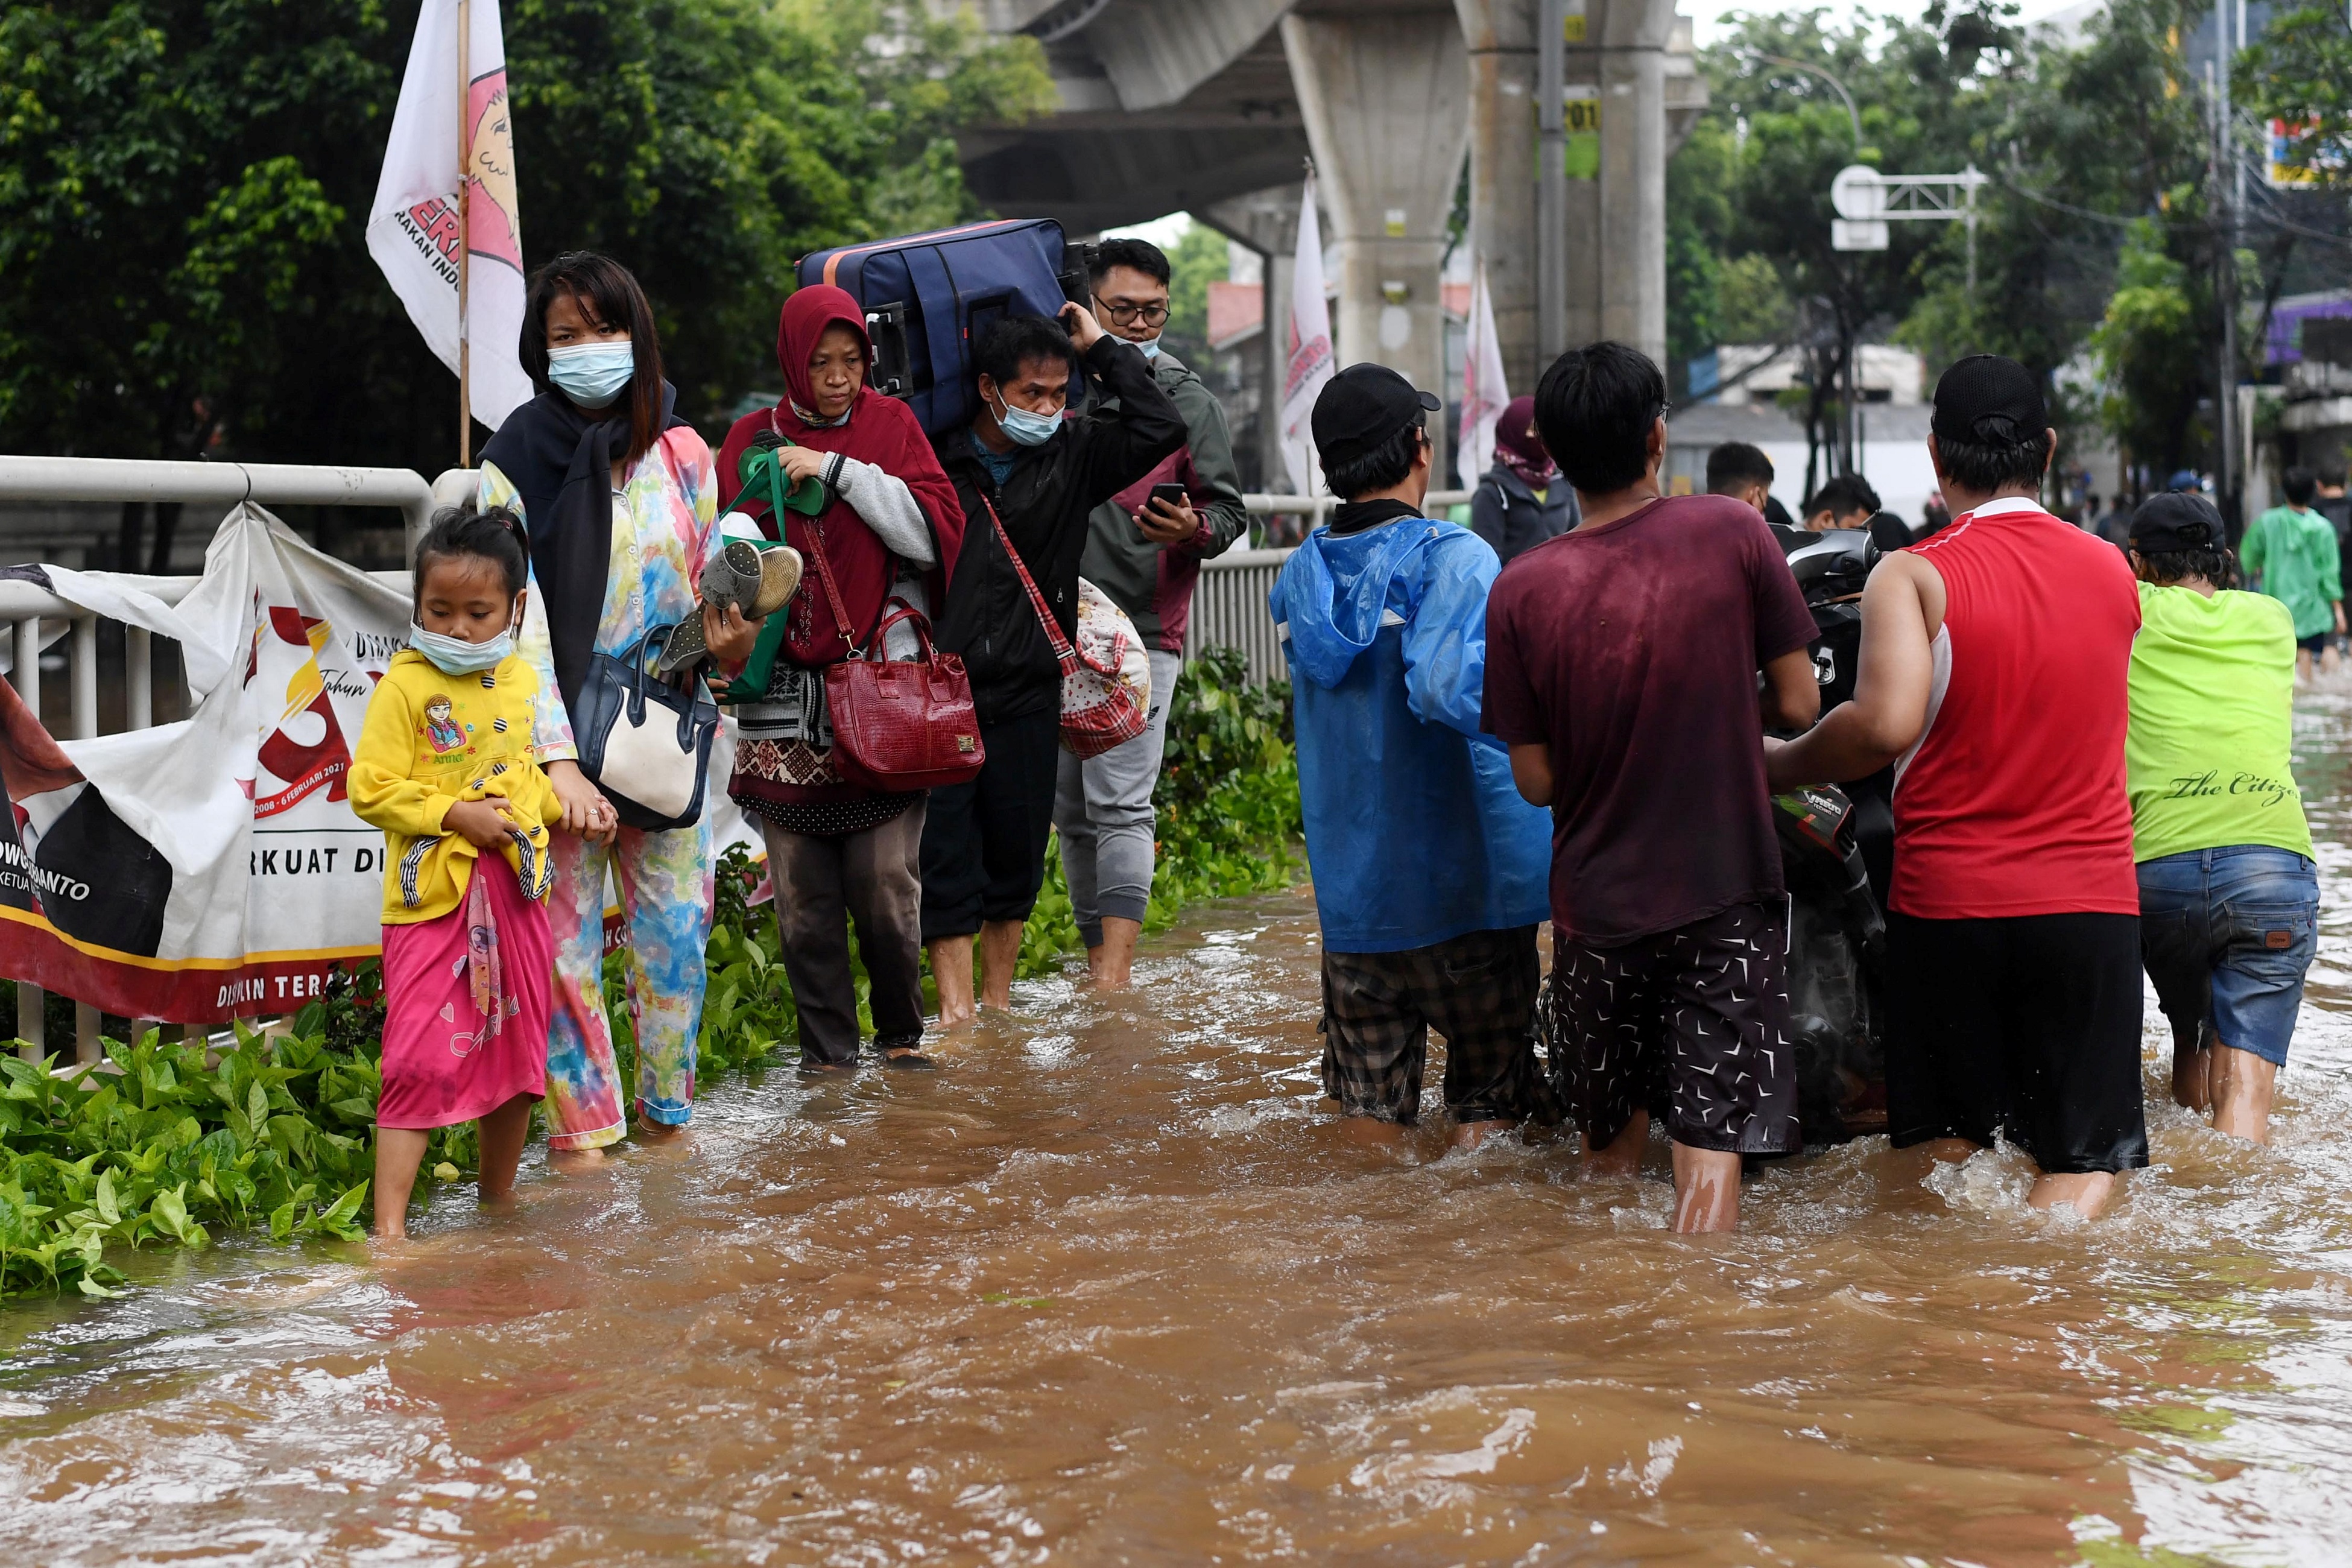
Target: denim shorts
[2227, 935]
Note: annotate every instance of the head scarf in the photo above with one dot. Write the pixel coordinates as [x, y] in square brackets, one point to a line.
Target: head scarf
[559, 458]
[879, 430]
[1518, 446]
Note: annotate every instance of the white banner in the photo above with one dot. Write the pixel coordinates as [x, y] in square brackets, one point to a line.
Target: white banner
[1310, 361]
[1483, 393]
[412, 229]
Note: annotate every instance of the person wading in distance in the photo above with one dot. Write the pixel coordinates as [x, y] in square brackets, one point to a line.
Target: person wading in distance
[1995, 656]
[1742, 472]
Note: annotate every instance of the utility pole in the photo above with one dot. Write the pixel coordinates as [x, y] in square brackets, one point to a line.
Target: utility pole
[1551, 180]
[2225, 264]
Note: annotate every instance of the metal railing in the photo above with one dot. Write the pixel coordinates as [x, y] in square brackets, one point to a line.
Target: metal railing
[25, 607]
[223, 484]
[1229, 603]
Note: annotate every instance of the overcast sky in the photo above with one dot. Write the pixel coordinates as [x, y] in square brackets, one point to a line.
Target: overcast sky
[1704, 14]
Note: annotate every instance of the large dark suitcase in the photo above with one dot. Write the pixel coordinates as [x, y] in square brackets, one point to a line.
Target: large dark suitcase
[927, 294]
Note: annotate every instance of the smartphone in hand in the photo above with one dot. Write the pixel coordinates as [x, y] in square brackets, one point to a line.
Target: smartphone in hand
[1173, 494]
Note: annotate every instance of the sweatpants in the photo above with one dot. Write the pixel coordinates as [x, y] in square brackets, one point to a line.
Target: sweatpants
[666, 891]
[1102, 809]
[827, 883]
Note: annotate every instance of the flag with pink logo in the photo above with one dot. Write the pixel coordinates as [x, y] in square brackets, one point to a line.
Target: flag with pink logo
[1483, 393]
[1311, 362]
[413, 226]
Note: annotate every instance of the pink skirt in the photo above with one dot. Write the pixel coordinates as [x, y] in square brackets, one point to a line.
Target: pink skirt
[466, 1005]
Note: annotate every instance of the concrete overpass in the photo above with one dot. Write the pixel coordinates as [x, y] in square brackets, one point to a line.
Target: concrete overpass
[1210, 106]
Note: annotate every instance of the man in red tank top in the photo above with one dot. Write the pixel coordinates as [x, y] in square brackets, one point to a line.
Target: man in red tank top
[1995, 658]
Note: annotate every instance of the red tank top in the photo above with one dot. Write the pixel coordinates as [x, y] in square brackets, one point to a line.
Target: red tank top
[2013, 801]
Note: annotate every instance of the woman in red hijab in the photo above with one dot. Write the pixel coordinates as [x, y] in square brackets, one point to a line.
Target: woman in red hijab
[889, 533]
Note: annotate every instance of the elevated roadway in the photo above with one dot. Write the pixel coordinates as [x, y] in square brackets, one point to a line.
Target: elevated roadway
[1210, 106]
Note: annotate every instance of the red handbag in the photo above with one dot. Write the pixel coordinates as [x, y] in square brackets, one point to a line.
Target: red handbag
[898, 724]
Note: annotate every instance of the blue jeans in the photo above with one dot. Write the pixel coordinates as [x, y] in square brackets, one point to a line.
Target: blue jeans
[2227, 935]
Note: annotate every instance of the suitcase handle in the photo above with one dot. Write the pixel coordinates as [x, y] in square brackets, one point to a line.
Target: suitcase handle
[886, 326]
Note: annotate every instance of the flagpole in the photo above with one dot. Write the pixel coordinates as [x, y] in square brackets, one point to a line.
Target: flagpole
[465, 202]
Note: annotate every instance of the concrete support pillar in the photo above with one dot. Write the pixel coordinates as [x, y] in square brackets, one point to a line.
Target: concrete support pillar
[1384, 97]
[1500, 37]
[1632, 186]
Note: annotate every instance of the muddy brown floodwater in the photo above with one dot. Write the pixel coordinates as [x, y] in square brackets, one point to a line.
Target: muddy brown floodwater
[1112, 1291]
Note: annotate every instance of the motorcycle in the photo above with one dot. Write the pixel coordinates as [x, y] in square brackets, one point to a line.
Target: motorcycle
[1836, 860]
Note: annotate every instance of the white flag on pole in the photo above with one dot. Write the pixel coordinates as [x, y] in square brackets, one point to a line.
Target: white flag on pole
[413, 226]
[1311, 361]
[1483, 393]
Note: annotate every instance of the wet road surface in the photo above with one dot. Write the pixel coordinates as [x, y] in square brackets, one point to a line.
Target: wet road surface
[1111, 1291]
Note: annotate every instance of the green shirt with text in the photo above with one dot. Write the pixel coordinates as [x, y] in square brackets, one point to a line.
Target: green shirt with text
[2213, 693]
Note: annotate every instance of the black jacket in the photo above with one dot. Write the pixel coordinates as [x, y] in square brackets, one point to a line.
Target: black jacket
[1506, 512]
[1045, 505]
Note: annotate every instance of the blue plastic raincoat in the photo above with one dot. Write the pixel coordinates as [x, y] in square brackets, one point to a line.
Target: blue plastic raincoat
[1414, 831]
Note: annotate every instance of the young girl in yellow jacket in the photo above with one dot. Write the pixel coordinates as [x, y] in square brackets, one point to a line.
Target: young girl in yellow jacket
[445, 768]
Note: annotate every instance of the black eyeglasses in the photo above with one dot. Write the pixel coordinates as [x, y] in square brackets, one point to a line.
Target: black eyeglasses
[1152, 315]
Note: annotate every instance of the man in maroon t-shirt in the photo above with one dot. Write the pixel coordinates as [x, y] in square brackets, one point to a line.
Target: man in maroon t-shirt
[1620, 671]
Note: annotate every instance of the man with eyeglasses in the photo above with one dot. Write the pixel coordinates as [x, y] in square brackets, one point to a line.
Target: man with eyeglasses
[1145, 553]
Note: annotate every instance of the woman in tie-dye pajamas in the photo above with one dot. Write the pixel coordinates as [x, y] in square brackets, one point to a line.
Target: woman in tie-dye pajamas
[548, 462]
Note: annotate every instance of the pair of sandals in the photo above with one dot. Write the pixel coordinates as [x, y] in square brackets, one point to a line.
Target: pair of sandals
[757, 580]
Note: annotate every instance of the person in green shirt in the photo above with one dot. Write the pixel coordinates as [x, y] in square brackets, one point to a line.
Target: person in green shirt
[2291, 554]
[2229, 890]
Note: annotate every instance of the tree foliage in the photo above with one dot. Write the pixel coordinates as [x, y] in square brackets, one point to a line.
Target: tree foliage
[183, 191]
[2300, 71]
[2086, 143]
[1197, 260]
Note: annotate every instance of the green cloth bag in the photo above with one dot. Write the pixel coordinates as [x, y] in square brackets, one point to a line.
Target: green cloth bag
[763, 479]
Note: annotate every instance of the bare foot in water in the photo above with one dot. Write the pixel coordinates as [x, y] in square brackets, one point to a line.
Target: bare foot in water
[573, 1162]
[1621, 1156]
[1470, 1134]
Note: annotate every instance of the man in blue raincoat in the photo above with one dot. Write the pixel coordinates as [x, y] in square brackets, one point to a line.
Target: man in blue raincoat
[1430, 871]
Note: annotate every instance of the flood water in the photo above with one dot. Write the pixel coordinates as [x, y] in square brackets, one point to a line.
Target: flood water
[1112, 1291]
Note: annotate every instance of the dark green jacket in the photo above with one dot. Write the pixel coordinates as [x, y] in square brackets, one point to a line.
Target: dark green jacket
[1152, 584]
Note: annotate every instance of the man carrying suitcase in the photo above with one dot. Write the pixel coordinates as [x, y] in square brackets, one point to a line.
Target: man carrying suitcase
[1027, 463]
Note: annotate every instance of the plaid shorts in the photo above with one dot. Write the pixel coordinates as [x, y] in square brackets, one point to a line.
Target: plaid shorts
[1691, 1025]
[1478, 990]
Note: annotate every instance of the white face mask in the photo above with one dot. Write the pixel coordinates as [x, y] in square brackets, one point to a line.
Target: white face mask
[593, 375]
[1024, 427]
[456, 656]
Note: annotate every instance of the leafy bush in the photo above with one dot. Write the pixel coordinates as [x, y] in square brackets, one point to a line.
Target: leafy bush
[274, 1132]
[166, 1138]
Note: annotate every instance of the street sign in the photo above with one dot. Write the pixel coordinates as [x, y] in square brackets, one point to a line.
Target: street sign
[1857, 234]
[1858, 193]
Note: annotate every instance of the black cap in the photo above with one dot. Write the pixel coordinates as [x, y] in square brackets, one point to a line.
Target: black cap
[2173, 521]
[1987, 400]
[1362, 406]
